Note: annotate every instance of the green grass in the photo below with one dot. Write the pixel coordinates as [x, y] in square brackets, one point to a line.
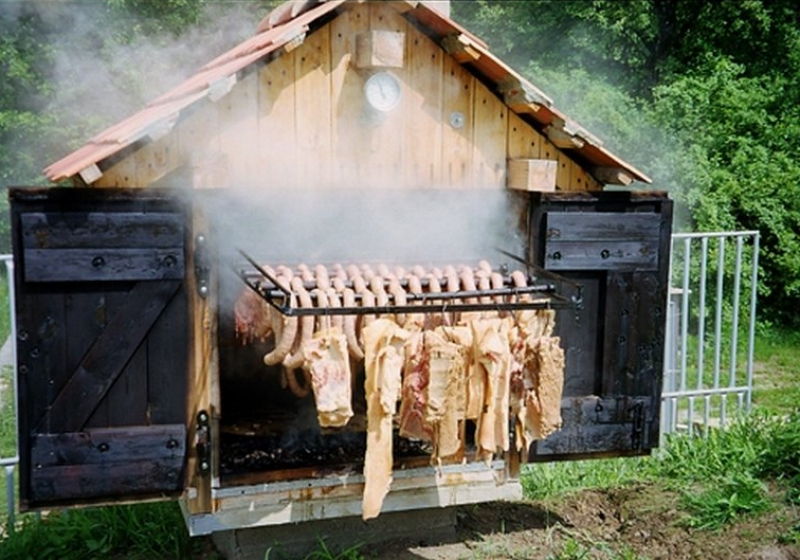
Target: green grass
[145, 531]
[777, 371]
[721, 477]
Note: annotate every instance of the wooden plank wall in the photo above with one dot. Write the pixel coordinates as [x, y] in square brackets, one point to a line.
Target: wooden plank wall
[301, 120]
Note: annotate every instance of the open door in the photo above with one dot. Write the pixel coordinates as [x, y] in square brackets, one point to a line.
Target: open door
[102, 344]
[615, 245]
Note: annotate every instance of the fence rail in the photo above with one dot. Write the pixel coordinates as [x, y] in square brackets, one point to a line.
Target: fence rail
[706, 372]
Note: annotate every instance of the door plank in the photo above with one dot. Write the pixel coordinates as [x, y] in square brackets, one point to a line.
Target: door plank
[105, 462]
[108, 356]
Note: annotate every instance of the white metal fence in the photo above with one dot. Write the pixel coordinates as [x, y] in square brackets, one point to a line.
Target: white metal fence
[9, 454]
[708, 378]
[708, 373]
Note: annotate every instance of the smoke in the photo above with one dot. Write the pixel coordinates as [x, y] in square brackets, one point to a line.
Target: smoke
[101, 68]
[395, 227]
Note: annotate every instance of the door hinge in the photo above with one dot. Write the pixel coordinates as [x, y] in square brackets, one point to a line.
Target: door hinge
[203, 443]
[201, 265]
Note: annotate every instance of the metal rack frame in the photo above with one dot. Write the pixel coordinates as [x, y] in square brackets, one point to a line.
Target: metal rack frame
[539, 295]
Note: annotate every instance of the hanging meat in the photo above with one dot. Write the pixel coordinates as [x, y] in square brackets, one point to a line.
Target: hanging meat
[383, 362]
[500, 369]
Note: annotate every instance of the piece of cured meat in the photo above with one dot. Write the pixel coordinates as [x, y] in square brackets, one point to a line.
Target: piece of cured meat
[492, 356]
[412, 423]
[329, 367]
[543, 401]
[285, 328]
[383, 364]
[294, 359]
[445, 368]
[461, 336]
[469, 395]
[251, 317]
[349, 325]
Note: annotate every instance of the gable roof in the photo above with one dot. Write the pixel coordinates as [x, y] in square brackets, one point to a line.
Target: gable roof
[287, 26]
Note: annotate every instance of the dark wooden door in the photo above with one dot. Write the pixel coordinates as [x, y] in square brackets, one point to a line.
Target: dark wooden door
[102, 341]
[616, 246]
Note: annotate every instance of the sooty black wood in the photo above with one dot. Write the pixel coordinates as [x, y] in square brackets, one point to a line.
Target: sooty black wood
[102, 343]
[616, 244]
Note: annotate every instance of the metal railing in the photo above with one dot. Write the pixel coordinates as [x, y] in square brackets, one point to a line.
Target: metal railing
[8, 394]
[708, 375]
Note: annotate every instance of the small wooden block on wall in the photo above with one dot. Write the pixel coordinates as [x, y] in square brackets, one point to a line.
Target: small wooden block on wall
[380, 48]
[532, 174]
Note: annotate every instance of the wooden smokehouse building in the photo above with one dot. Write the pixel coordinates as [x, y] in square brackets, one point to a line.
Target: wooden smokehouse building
[370, 150]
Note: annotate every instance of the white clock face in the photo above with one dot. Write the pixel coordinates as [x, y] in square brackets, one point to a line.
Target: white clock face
[383, 91]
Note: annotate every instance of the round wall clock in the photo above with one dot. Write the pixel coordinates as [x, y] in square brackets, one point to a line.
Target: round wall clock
[383, 91]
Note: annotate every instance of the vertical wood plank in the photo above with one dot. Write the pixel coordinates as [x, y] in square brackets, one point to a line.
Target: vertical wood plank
[41, 352]
[238, 132]
[277, 143]
[127, 398]
[582, 180]
[156, 159]
[167, 349]
[121, 174]
[491, 125]
[563, 173]
[203, 370]
[313, 101]
[87, 314]
[199, 147]
[523, 141]
[350, 143]
[458, 90]
[423, 130]
[385, 160]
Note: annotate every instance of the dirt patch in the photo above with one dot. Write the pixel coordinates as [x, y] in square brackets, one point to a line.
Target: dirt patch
[636, 522]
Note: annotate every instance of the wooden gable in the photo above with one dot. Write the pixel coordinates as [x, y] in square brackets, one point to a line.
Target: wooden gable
[300, 120]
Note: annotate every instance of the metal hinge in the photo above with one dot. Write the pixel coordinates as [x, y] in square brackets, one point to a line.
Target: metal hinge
[201, 265]
[202, 443]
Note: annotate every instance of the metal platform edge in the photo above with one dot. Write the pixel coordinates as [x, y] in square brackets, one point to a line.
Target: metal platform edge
[333, 497]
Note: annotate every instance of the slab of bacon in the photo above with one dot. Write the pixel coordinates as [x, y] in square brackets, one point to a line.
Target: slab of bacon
[445, 374]
[383, 364]
[329, 367]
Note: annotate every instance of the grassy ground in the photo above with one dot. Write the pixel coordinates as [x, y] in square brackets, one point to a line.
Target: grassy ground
[714, 487]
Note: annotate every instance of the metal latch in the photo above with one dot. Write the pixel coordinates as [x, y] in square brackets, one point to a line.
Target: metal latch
[203, 443]
[637, 413]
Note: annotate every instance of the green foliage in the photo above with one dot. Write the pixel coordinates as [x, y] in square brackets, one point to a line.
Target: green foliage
[704, 97]
[141, 531]
[325, 553]
[735, 496]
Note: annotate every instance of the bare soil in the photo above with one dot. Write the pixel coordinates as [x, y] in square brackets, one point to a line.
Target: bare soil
[644, 521]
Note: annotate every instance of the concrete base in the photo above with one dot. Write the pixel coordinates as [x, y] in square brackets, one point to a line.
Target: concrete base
[299, 539]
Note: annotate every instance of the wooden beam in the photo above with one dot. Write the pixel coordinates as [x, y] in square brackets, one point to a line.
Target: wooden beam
[522, 96]
[562, 139]
[294, 38]
[532, 174]
[90, 174]
[612, 176]
[461, 48]
[220, 87]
